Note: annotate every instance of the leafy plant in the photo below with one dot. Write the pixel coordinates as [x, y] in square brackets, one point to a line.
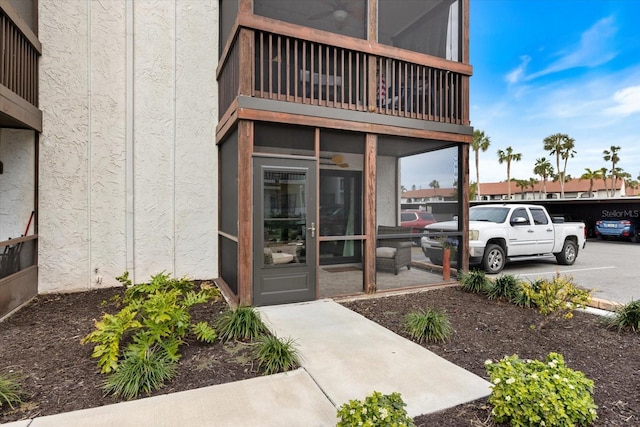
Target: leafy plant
[428, 325]
[146, 334]
[376, 410]
[276, 355]
[558, 297]
[11, 391]
[475, 281]
[243, 323]
[524, 299]
[138, 373]
[505, 287]
[626, 317]
[537, 393]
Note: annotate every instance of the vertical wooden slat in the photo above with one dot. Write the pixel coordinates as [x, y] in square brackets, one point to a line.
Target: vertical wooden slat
[245, 62]
[288, 68]
[369, 262]
[296, 70]
[463, 179]
[304, 70]
[245, 229]
[278, 59]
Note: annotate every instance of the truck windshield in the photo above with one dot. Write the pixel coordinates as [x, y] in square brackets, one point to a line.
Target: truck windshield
[492, 214]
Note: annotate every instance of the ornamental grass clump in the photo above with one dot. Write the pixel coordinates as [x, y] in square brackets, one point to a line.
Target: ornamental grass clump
[276, 354]
[505, 287]
[376, 410]
[475, 281]
[243, 324]
[428, 325]
[540, 393]
[626, 317]
[11, 391]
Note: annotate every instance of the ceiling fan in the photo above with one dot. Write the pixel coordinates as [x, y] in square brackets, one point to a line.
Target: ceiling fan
[340, 12]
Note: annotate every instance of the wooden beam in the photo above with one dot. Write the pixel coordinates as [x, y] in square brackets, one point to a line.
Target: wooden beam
[463, 191]
[245, 218]
[247, 48]
[369, 262]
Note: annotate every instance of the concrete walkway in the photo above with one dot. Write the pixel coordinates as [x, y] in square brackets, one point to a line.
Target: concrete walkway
[344, 356]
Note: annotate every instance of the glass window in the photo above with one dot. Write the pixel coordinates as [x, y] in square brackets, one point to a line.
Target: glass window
[539, 217]
[520, 217]
[346, 17]
[426, 26]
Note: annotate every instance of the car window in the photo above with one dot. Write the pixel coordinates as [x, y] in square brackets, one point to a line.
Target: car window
[520, 213]
[492, 214]
[407, 216]
[426, 216]
[538, 216]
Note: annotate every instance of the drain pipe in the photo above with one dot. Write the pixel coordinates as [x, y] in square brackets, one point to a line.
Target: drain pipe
[129, 160]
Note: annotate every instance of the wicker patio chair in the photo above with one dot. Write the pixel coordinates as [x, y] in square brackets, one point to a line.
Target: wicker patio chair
[394, 253]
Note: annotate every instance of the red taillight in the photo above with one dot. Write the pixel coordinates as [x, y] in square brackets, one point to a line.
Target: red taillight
[625, 222]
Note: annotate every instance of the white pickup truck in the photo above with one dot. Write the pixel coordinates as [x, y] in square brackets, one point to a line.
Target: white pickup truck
[509, 232]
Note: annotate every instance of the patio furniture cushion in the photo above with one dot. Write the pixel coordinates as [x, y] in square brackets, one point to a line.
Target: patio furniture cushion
[385, 252]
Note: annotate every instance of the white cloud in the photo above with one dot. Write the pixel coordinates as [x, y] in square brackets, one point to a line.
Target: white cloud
[594, 48]
[627, 100]
[517, 74]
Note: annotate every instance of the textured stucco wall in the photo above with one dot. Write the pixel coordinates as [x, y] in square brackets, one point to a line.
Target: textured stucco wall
[387, 191]
[164, 110]
[17, 183]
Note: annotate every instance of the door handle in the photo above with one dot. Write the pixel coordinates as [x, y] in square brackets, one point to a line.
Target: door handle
[312, 229]
[529, 231]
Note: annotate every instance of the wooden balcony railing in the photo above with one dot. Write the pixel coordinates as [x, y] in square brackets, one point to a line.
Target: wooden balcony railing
[307, 72]
[19, 58]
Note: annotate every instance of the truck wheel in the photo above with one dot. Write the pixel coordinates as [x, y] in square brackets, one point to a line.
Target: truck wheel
[494, 259]
[568, 254]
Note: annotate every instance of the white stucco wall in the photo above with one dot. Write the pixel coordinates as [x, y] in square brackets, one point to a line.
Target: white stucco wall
[387, 190]
[102, 98]
[17, 182]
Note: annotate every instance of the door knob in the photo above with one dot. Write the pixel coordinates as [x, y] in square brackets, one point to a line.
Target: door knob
[312, 229]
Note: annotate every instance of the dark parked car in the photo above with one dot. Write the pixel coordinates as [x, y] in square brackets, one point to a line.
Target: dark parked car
[620, 228]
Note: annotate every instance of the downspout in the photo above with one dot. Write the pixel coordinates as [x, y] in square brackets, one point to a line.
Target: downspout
[129, 160]
[90, 271]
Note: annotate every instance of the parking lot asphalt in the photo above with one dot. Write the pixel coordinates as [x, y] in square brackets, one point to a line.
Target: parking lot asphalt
[608, 268]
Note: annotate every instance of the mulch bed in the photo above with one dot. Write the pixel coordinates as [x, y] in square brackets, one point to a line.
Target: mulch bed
[42, 341]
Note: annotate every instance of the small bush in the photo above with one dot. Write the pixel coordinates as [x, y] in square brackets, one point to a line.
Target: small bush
[558, 297]
[276, 355]
[138, 373]
[243, 323]
[427, 325]
[11, 391]
[505, 287]
[376, 410]
[626, 317]
[475, 281]
[524, 299]
[536, 393]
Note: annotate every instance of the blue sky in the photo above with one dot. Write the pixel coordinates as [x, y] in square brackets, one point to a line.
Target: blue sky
[555, 66]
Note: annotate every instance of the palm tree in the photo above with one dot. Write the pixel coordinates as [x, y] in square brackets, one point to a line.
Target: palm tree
[603, 175]
[507, 156]
[480, 142]
[591, 175]
[545, 170]
[562, 146]
[612, 155]
[523, 184]
[435, 185]
[532, 185]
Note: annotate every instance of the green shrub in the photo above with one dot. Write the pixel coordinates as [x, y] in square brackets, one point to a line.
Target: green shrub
[536, 393]
[505, 287]
[276, 355]
[475, 281]
[11, 391]
[558, 297]
[428, 325]
[140, 373]
[376, 410]
[154, 321]
[523, 299]
[243, 323]
[626, 317]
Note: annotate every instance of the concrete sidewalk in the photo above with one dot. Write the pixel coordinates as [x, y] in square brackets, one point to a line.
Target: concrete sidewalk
[344, 356]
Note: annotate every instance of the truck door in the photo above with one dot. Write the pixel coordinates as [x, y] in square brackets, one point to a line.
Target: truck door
[542, 230]
[521, 234]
